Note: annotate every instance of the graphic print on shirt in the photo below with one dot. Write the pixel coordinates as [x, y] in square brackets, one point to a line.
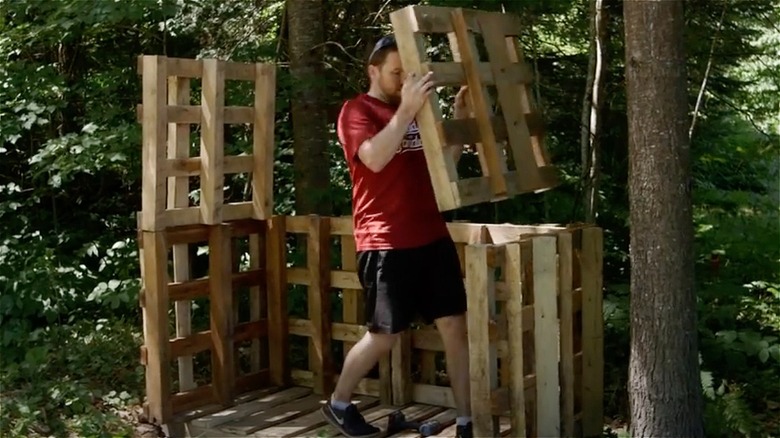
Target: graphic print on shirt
[412, 140]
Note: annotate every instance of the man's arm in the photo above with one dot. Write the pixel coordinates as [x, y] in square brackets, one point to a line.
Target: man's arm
[377, 151]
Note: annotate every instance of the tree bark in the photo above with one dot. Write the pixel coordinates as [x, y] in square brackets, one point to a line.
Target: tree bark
[308, 105]
[591, 109]
[664, 381]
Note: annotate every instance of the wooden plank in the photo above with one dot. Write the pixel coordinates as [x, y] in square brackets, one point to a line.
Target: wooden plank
[313, 420]
[507, 90]
[257, 300]
[178, 197]
[278, 320]
[183, 167]
[221, 313]
[566, 315]
[339, 226]
[482, 354]
[273, 416]
[450, 74]
[195, 398]
[193, 68]
[318, 261]
[436, 19]
[193, 114]
[200, 412]
[366, 386]
[488, 101]
[186, 346]
[592, 332]
[353, 305]
[376, 415]
[338, 279]
[154, 132]
[514, 314]
[263, 145]
[401, 369]
[445, 419]
[545, 289]
[441, 166]
[212, 148]
[468, 54]
[533, 118]
[259, 405]
[155, 304]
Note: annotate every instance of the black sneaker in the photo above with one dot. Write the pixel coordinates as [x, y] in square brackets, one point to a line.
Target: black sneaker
[464, 431]
[349, 422]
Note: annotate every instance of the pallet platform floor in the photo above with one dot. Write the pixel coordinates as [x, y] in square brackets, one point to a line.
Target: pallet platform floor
[295, 412]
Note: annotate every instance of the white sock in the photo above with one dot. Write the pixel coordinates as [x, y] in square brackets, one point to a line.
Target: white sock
[338, 404]
[462, 421]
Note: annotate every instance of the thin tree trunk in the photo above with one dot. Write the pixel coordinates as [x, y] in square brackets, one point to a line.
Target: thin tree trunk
[706, 72]
[591, 109]
[308, 105]
[664, 382]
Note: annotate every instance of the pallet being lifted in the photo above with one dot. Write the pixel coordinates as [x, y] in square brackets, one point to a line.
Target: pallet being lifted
[510, 139]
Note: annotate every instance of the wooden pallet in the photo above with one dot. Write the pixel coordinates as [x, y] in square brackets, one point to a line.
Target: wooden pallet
[167, 114]
[509, 140]
[295, 412]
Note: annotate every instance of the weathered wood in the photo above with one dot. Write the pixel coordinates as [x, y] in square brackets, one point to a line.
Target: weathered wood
[519, 140]
[263, 141]
[154, 131]
[592, 332]
[212, 148]
[495, 165]
[482, 363]
[318, 260]
[178, 197]
[278, 332]
[212, 165]
[566, 317]
[514, 310]
[440, 166]
[155, 309]
[401, 369]
[546, 335]
[221, 314]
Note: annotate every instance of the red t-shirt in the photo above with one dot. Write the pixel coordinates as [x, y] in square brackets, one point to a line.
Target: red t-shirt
[395, 207]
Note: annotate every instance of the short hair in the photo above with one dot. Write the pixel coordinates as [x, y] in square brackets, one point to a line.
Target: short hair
[385, 45]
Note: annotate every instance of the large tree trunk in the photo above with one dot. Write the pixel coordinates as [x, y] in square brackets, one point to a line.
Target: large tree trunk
[309, 110]
[664, 381]
[591, 109]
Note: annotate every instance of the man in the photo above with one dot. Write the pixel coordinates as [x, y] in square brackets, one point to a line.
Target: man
[407, 262]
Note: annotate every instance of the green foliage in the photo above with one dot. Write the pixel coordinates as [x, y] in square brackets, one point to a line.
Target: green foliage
[60, 384]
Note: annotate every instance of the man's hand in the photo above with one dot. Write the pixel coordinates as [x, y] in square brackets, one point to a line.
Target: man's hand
[461, 108]
[415, 91]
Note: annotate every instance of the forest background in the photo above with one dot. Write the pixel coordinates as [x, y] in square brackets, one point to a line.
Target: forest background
[70, 179]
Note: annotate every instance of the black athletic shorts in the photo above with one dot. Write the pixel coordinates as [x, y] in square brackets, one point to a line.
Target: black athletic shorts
[404, 284]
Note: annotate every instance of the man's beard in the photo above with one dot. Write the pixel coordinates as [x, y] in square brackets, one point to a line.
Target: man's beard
[393, 96]
[394, 99]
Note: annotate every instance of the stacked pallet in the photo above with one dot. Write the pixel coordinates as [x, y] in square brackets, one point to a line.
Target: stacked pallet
[171, 222]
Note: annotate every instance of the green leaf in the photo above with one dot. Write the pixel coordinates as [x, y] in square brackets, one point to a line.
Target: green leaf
[774, 351]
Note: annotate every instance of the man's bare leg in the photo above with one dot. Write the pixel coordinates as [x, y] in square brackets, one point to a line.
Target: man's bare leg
[359, 361]
[456, 351]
